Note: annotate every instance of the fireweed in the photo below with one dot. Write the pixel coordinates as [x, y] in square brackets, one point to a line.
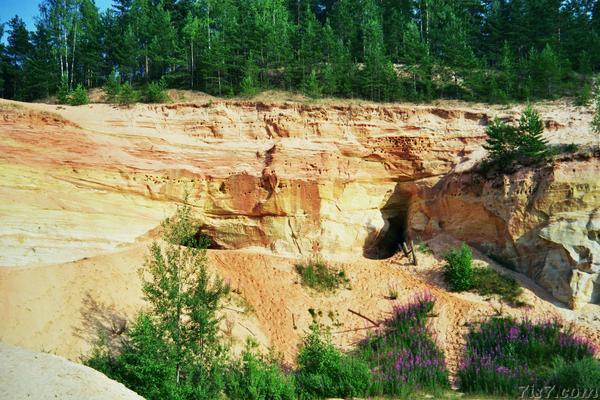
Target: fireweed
[503, 354]
[403, 355]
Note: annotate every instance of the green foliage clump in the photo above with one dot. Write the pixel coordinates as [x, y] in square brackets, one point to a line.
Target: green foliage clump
[579, 376]
[182, 229]
[504, 355]
[596, 118]
[487, 282]
[458, 270]
[323, 371]
[250, 83]
[524, 144]
[112, 87]
[403, 355]
[312, 87]
[127, 95]
[256, 377]
[78, 96]
[173, 350]
[584, 97]
[316, 274]
[62, 95]
[155, 92]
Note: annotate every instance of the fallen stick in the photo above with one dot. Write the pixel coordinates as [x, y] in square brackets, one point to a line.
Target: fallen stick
[354, 330]
[363, 317]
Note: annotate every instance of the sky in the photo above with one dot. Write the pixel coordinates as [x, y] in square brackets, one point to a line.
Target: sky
[28, 10]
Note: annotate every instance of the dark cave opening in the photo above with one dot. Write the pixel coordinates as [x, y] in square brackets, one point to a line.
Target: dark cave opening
[386, 242]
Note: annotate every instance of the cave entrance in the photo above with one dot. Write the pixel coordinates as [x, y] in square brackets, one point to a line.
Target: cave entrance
[387, 242]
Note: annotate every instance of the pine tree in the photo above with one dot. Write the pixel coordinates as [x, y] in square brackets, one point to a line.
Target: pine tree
[312, 87]
[62, 94]
[526, 143]
[502, 142]
[112, 87]
[17, 50]
[250, 86]
[40, 63]
[2, 60]
[596, 118]
[532, 143]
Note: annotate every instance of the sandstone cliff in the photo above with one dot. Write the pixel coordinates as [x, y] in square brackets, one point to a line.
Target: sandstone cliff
[543, 221]
[341, 179]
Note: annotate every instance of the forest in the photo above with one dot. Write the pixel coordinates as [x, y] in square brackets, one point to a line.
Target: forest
[381, 50]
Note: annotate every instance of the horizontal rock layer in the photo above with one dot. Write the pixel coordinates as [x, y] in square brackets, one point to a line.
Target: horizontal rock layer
[288, 177]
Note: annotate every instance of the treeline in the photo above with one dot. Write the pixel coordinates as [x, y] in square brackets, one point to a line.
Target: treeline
[383, 50]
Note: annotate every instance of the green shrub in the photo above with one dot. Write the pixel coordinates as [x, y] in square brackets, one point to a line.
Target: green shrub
[250, 84]
[459, 268]
[524, 144]
[584, 97]
[78, 96]
[487, 281]
[127, 94]
[255, 377]
[403, 355]
[580, 375]
[504, 355]
[62, 95]
[155, 92]
[318, 275]
[181, 229]
[312, 87]
[323, 371]
[112, 87]
[596, 118]
[174, 350]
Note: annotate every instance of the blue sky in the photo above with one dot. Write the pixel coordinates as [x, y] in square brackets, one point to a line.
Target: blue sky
[28, 10]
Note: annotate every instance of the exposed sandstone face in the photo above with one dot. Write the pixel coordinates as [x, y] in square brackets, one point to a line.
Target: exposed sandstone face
[542, 221]
[290, 178]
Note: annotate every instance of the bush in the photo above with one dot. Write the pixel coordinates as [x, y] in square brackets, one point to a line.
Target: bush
[174, 350]
[255, 377]
[503, 354]
[524, 144]
[403, 355]
[318, 275]
[323, 371]
[62, 95]
[578, 377]
[112, 87]
[181, 229]
[596, 118]
[312, 87]
[78, 96]
[127, 95]
[459, 269]
[155, 92]
[584, 97]
[487, 281]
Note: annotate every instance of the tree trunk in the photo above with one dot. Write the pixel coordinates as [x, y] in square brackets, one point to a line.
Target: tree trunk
[192, 68]
[73, 51]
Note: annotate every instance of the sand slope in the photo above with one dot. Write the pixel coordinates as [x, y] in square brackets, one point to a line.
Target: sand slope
[28, 375]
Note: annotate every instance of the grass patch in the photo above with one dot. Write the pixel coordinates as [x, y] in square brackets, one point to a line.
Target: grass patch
[462, 276]
[503, 355]
[317, 275]
[423, 247]
[487, 282]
